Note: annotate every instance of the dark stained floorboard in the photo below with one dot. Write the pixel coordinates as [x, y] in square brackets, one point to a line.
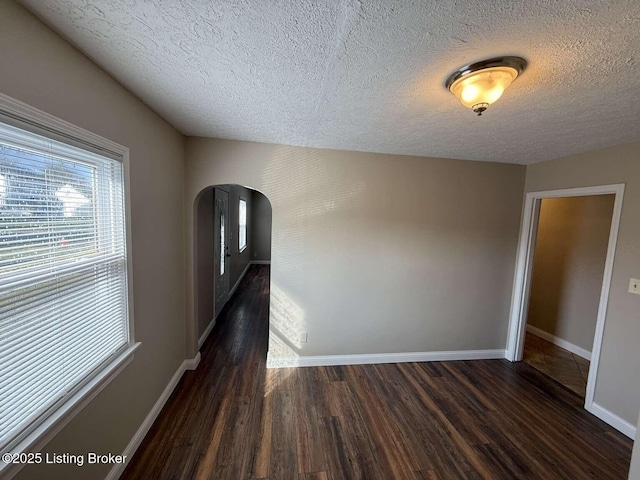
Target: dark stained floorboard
[487, 419]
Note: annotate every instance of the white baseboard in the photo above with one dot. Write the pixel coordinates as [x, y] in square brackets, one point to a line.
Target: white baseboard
[235, 286]
[206, 333]
[260, 262]
[581, 352]
[326, 360]
[612, 419]
[130, 450]
[191, 363]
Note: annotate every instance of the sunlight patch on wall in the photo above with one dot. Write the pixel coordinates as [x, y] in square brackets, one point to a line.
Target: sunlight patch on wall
[313, 189]
[287, 325]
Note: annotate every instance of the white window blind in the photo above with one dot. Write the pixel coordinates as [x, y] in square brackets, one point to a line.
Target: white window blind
[63, 274]
[242, 224]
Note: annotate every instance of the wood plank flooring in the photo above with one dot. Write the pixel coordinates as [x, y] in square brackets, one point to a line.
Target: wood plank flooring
[564, 367]
[490, 419]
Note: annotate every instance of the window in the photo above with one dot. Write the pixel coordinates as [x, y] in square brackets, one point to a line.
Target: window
[242, 225]
[64, 316]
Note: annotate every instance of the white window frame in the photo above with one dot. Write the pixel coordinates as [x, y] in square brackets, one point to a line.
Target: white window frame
[242, 248]
[21, 115]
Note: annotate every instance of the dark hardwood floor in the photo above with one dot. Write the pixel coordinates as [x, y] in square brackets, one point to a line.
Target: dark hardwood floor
[233, 419]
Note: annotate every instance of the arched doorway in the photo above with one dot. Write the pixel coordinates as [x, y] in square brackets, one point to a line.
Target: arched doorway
[232, 233]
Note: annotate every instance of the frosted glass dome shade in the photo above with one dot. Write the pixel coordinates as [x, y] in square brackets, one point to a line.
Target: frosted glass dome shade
[480, 84]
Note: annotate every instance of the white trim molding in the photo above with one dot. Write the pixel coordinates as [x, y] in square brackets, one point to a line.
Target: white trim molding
[581, 352]
[50, 427]
[205, 334]
[24, 113]
[136, 440]
[612, 419]
[366, 359]
[192, 363]
[524, 266]
[237, 284]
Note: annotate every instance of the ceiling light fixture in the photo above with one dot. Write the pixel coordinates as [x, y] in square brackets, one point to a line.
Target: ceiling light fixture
[480, 84]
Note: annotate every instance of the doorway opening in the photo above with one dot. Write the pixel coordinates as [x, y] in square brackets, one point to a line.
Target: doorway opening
[568, 263]
[565, 259]
[232, 233]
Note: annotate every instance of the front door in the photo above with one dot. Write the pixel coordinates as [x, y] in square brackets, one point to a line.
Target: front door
[221, 254]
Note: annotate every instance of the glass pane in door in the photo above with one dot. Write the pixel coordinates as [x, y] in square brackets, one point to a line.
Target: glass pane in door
[223, 258]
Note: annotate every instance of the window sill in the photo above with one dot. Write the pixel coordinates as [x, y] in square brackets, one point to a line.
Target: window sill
[242, 250]
[55, 422]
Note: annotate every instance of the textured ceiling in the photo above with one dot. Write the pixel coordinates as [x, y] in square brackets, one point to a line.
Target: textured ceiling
[368, 75]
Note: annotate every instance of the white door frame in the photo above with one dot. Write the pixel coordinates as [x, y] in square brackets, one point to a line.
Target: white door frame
[524, 264]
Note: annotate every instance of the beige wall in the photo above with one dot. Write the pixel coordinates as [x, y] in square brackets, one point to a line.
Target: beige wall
[618, 385]
[43, 70]
[570, 252]
[376, 253]
[260, 228]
